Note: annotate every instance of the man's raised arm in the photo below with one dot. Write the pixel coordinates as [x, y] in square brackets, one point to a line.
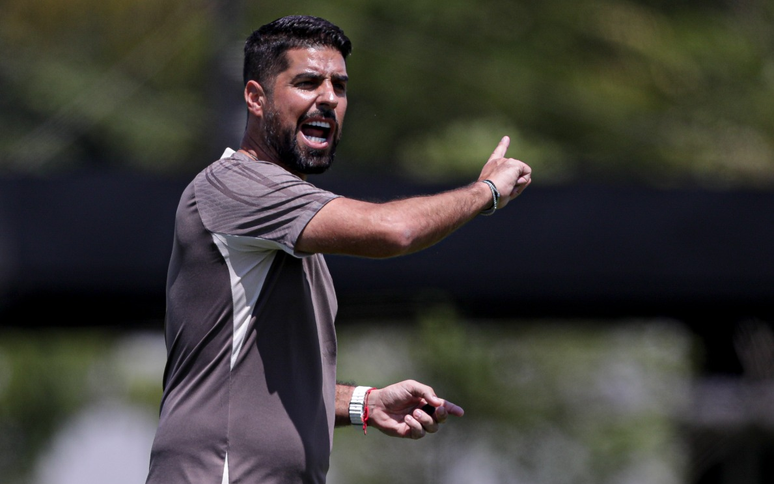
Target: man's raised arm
[353, 227]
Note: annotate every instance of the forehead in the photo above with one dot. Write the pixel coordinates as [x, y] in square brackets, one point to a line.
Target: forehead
[320, 60]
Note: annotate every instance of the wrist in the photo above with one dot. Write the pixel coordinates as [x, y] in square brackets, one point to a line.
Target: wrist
[357, 405]
[495, 194]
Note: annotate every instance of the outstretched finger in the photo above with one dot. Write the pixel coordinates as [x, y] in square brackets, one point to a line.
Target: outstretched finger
[502, 147]
[443, 408]
[453, 409]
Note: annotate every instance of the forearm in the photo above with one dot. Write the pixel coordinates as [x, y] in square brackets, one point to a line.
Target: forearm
[425, 221]
[380, 230]
[343, 396]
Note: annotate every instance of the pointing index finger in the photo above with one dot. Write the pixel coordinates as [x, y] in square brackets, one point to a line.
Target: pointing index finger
[450, 407]
[502, 147]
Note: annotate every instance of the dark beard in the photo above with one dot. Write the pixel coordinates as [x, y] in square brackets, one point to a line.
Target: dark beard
[285, 145]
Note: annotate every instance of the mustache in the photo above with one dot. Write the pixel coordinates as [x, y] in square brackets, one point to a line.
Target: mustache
[320, 113]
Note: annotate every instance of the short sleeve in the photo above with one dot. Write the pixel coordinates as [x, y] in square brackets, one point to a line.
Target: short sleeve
[248, 198]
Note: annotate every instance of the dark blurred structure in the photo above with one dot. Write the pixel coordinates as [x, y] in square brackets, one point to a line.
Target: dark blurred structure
[92, 249]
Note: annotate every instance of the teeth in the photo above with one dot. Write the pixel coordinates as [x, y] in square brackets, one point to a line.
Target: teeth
[320, 124]
[315, 139]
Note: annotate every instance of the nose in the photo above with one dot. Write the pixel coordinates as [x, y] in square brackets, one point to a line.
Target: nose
[327, 95]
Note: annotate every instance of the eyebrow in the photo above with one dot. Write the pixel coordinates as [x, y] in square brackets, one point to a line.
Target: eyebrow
[316, 75]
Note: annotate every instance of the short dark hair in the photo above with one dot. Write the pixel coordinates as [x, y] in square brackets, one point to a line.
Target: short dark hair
[265, 48]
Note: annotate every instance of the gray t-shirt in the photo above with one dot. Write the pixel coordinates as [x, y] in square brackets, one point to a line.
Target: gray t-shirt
[250, 380]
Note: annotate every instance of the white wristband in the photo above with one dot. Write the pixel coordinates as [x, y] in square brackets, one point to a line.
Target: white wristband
[356, 405]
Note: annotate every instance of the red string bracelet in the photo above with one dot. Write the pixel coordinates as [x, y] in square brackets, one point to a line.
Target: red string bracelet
[366, 411]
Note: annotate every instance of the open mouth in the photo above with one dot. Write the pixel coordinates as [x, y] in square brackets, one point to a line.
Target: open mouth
[317, 132]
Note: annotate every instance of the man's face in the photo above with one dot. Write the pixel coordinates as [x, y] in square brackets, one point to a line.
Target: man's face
[305, 109]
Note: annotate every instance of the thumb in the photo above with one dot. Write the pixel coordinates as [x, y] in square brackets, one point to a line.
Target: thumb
[502, 147]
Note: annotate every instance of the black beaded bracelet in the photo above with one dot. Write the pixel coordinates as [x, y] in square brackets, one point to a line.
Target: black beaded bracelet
[495, 198]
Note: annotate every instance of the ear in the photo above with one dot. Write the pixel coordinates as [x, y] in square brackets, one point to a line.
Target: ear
[255, 98]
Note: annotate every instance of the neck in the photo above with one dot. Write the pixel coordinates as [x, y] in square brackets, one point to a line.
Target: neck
[252, 145]
[258, 152]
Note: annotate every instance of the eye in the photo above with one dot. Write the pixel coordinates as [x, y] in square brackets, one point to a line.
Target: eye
[340, 87]
[307, 83]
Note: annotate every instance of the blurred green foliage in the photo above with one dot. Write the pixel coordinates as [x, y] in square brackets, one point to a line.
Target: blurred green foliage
[549, 402]
[545, 401]
[47, 376]
[646, 91]
[42, 381]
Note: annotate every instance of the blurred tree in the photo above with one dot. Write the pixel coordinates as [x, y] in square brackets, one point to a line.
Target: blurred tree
[664, 93]
[43, 379]
[116, 84]
[48, 376]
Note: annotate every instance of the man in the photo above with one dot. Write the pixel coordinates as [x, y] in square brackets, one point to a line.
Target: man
[249, 387]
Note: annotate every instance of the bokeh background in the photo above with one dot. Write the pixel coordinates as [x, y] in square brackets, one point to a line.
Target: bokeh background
[613, 325]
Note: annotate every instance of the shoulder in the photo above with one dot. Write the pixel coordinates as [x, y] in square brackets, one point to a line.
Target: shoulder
[240, 173]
